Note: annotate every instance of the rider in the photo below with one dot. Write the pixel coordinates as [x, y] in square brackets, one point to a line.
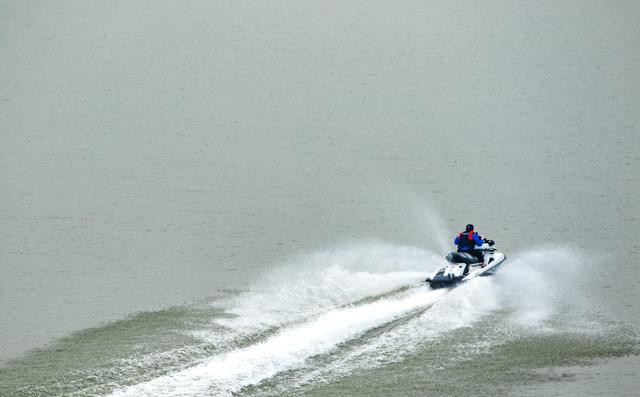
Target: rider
[467, 241]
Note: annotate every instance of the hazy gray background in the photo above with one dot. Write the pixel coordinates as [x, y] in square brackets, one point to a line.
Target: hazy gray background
[156, 152]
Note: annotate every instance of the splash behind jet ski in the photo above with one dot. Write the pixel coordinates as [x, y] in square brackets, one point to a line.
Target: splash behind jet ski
[463, 266]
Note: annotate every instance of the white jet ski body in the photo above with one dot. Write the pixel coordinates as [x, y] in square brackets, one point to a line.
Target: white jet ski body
[459, 267]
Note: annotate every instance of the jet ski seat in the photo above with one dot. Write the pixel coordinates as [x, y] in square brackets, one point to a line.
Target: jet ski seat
[462, 257]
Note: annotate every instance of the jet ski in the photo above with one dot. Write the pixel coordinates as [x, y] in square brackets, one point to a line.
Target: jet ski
[459, 267]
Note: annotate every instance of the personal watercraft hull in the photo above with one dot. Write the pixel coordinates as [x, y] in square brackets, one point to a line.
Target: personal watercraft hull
[454, 273]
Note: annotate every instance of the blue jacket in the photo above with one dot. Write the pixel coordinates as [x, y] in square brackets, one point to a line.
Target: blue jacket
[466, 247]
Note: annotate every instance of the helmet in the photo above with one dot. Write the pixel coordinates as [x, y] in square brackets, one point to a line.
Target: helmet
[469, 228]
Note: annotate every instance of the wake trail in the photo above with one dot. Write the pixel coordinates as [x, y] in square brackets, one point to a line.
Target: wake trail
[357, 318]
[299, 310]
[288, 349]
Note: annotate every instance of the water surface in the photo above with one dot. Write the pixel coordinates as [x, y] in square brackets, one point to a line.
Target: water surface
[184, 186]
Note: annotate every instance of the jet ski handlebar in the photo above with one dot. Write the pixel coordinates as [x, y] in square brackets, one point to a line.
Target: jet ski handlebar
[490, 242]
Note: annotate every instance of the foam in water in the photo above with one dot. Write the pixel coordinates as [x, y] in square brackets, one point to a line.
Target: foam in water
[288, 349]
[459, 308]
[321, 306]
[314, 283]
[530, 291]
[535, 282]
[307, 298]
